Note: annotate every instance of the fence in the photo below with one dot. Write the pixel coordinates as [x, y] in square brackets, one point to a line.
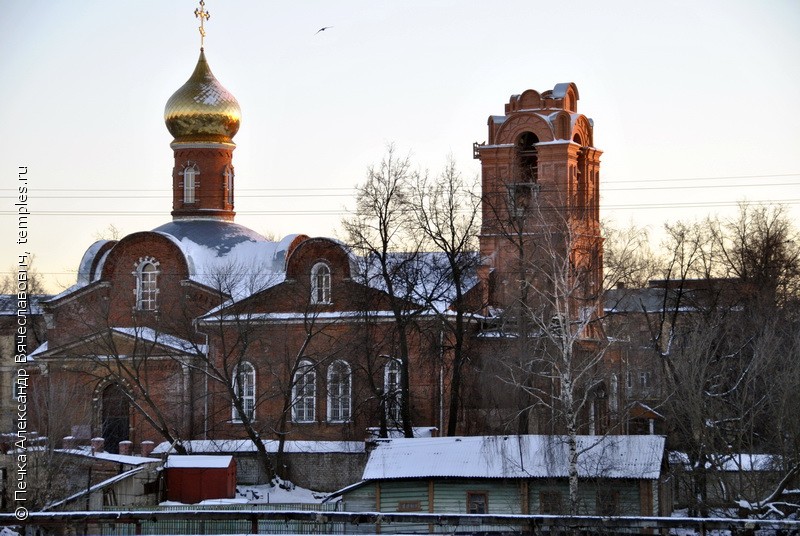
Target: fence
[248, 520]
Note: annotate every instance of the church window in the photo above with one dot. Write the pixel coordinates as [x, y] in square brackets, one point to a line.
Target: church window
[321, 283]
[339, 392]
[392, 392]
[244, 387]
[228, 184]
[304, 393]
[614, 400]
[146, 290]
[190, 183]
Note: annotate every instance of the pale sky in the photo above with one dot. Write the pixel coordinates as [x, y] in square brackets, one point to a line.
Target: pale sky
[695, 103]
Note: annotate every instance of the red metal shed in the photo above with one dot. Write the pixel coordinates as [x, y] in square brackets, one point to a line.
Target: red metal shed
[191, 479]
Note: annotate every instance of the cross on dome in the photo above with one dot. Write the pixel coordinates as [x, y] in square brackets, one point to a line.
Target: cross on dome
[203, 15]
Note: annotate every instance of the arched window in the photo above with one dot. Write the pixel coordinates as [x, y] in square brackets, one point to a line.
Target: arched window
[613, 402]
[228, 175]
[339, 392]
[527, 158]
[244, 385]
[304, 393]
[392, 392]
[146, 290]
[320, 283]
[190, 182]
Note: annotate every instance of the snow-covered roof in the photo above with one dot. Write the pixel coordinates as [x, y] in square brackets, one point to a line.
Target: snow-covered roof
[85, 273]
[100, 485]
[219, 461]
[425, 277]
[207, 446]
[9, 304]
[160, 338]
[527, 456]
[108, 456]
[228, 256]
[40, 350]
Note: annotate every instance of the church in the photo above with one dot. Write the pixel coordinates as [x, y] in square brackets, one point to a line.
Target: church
[203, 329]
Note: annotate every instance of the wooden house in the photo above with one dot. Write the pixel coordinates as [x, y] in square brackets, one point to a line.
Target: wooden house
[619, 475]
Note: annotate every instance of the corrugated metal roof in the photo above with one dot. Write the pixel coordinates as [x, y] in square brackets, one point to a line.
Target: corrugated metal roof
[529, 456]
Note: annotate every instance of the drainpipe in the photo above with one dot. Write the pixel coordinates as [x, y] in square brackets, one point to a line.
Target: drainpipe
[441, 381]
[205, 394]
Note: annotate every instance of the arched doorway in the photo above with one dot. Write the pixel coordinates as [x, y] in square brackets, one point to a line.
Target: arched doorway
[115, 417]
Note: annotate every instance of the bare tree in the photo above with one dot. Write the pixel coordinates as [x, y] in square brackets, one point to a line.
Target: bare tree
[380, 231]
[446, 209]
[723, 342]
[628, 259]
[569, 348]
[550, 313]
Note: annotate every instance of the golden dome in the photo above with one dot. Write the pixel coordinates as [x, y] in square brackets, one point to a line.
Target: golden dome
[202, 110]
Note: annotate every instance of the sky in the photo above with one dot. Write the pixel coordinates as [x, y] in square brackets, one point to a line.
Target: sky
[695, 104]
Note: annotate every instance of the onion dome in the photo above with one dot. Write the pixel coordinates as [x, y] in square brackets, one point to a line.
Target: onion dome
[202, 110]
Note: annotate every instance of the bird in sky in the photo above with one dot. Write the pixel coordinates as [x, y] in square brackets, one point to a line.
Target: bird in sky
[323, 29]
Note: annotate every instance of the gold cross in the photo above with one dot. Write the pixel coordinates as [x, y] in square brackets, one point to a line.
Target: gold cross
[203, 15]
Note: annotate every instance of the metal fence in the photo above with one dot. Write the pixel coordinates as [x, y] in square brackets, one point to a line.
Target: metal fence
[250, 520]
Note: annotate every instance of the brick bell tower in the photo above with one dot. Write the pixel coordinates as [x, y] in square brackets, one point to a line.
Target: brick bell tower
[203, 117]
[540, 185]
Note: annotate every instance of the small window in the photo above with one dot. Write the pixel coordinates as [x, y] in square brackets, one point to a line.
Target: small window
[244, 386]
[550, 502]
[304, 393]
[228, 184]
[146, 290]
[608, 503]
[409, 506]
[190, 182]
[339, 392]
[477, 502]
[392, 391]
[321, 283]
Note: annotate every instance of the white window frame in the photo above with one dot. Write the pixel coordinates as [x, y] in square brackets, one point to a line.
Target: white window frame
[244, 376]
[340, 392]
[190, 183]
[392, 390]
[146, 288]
[321, 283]
[304, 393]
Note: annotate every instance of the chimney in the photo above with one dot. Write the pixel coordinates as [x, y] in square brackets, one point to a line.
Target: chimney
[69, 442]
[126, 448]
[98, 444]
[147, 447]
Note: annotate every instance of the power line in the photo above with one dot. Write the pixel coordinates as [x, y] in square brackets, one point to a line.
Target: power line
[167, 192]
[628, 206]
